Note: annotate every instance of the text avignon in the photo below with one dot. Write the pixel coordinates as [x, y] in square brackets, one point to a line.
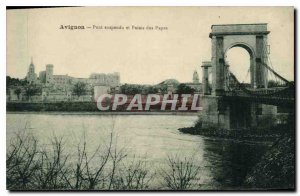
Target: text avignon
[71, 27]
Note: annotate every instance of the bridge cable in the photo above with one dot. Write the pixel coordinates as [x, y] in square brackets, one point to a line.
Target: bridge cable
[271, 68]
[246, 75]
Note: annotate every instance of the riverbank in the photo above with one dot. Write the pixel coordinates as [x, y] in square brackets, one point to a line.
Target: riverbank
[234, 134]
[105, 113]
[83, 108]
[63, 106]
[275, 169]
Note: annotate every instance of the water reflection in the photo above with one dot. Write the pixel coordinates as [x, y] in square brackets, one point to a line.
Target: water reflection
[230, 161]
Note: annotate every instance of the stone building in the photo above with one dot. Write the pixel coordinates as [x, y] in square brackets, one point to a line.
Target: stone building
[48, 78]
[59, 87]
[111, 79]
[42, 76]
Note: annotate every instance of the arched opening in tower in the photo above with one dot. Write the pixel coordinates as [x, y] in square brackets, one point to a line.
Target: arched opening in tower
[239, 62]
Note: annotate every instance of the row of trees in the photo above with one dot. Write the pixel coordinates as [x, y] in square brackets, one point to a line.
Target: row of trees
[131, 89]
[30, 89]
[81, 88]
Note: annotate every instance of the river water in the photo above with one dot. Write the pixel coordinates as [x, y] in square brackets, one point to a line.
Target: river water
[153, 138]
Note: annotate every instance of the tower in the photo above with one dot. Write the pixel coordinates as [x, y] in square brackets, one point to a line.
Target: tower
[252, 38]
[205, 83]
[31, 76]
[217, 110]
[195, 77]
[49, 73]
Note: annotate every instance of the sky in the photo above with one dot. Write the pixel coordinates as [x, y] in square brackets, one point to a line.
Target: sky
[140, 56]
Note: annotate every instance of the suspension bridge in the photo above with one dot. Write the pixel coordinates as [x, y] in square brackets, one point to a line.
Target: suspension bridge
[281, 92]
[229, 103]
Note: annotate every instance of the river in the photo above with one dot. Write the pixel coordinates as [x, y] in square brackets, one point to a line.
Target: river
[153, 138]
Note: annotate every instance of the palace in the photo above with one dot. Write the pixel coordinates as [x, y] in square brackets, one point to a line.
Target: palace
[54, 87]
[48, 78]
[63, 84]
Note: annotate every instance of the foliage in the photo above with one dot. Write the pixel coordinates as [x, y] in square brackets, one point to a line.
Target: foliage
[163, 89]
[184, 89]
[31, 90]
[18, 91]
[15, 82]
[131, 89]
[276, 170]
[79, 88]
[151, 90]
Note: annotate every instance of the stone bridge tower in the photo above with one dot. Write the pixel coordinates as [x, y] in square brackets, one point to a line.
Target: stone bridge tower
[216, 111]
[253, 38]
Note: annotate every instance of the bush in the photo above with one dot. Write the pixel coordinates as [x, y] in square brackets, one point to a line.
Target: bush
[181, 174]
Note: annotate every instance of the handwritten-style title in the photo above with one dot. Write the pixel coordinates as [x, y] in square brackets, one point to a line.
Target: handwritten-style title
[115, 27]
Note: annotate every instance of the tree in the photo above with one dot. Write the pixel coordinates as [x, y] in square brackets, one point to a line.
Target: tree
[163, 89]
[18, 92]
[31, 90]
[181, 174]
[131, 89]
[15, 81]
[151, 90]
[79, 89]
[184, 89]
